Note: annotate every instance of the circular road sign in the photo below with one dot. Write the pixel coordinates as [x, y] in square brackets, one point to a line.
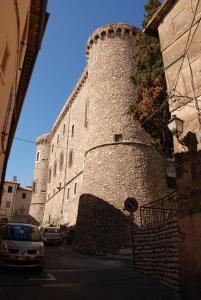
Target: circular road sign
[131, 204]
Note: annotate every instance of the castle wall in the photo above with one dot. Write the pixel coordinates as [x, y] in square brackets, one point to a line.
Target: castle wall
[106, 158]
[62, 199]
[119, 162]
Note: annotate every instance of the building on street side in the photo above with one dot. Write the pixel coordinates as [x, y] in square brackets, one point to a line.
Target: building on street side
[22, 25]
[178, 24]
[15, 203]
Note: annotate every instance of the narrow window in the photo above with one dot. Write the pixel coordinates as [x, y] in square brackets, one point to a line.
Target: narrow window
[7, 204]
[34, 187]
[75, 188]
[72, 132]
[61, 160]
[53, 191]
[4, 60]
[10, 189]
[52, 148]
[70, 159]
[86, 113]
[68, 193]
[43, 191]
[64, 129]
[48, 196]
[24, 195]
[37, 156]
[57, 139]
[55, 169]
[118, 138]
[50, 175]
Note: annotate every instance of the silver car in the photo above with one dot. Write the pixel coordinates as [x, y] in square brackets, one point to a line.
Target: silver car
[51, 235]
[21, 245]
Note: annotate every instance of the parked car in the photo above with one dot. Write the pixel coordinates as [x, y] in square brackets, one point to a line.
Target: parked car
[51, 235]
[21, 246]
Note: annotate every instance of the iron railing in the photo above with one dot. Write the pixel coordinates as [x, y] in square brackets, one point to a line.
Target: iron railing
[157, 211]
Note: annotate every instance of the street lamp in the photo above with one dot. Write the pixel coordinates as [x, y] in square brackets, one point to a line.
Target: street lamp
[175, 125]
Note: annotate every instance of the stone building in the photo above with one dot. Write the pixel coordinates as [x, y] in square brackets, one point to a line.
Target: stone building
[22, 25]
[179, 26]
[95, 157]
[16, 202]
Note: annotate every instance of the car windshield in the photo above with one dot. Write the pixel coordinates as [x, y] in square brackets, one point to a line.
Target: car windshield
[51, 230]
[20, 233]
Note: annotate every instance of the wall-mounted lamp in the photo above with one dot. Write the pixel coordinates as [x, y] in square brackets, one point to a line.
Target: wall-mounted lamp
[175, 125]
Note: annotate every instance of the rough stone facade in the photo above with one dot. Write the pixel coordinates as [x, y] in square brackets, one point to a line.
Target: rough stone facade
[95, 147]
[157, 252]
[179, 26]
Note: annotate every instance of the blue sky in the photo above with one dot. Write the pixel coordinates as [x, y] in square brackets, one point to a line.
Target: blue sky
[59, 65]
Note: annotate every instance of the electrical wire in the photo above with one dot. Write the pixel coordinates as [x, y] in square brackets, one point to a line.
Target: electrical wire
[47, 145]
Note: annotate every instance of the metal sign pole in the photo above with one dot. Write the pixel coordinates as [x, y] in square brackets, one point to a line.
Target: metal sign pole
[132, 240]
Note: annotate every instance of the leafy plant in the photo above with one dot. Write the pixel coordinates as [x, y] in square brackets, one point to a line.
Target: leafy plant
[150, 107]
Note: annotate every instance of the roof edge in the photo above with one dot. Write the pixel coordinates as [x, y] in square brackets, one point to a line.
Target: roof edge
[161, 12]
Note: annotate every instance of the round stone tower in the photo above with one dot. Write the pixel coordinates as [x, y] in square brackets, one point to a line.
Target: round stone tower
[119, 162]
[40, 179]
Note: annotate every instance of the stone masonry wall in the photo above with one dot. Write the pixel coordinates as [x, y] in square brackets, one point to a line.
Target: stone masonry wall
[157, 252]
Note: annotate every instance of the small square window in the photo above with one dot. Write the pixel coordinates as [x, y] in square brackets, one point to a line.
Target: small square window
[24, 195]
[10, 189]
[118, 138]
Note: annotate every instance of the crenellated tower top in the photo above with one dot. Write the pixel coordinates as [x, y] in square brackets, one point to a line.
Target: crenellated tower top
[111, 31]
[42, 139]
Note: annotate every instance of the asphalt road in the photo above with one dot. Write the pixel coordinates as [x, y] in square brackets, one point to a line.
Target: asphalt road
[72, 276]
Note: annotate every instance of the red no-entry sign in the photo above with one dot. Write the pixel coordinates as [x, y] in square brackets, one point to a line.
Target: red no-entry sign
[131, 204]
